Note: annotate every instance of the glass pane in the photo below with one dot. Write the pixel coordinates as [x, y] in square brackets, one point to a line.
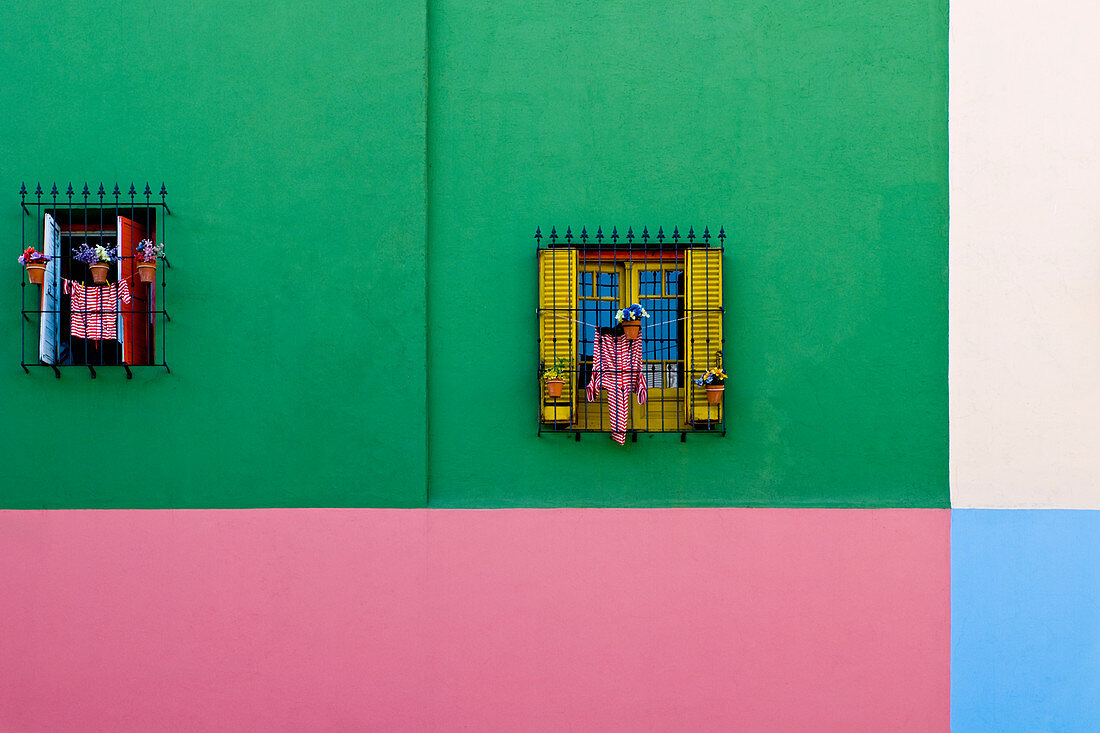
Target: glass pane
[661, 330]
[584, 284]
[584, 332]
[649, 282]
[672, 375]
[607, 285]
[673, 279]
[605, 318]
[593, 314]
[654, 376]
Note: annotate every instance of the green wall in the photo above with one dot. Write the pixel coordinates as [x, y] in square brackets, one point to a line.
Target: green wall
[291, 138]
[816, 132]
[325, 352]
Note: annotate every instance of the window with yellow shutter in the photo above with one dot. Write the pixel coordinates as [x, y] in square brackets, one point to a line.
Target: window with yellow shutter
[584, 281]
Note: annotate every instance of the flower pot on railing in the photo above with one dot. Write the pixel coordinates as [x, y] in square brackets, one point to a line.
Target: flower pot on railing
[36, 273]
[147, 255]
[98, 258]
[713, 381]
[99, 272]
[554, 376]
[35, 262]
[631, 320]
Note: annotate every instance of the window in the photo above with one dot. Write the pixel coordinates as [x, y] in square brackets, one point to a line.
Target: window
[78, 322]
[583, 284]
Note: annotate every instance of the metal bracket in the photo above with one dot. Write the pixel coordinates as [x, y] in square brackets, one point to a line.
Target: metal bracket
[167, 369]
[92, 370]
[56, 371]
[129, 374]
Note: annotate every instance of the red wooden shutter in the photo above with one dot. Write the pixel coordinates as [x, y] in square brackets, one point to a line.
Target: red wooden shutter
[135, 316]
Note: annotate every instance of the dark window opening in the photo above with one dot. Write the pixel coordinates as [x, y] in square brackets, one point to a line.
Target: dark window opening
[134, 320]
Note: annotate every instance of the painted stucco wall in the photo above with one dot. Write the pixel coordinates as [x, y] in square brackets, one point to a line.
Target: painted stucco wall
[302, 176]
[1025, 637]
[506, 620]
[291, 138]
[815, 132]
[1025, 405]
[1025, 260]
[355, 189]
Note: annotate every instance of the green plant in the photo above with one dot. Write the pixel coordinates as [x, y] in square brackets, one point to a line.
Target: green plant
[558, 371]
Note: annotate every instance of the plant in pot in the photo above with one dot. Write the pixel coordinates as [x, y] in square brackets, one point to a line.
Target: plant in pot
[35, 262]
[555, 377]
[98, 259]
[147, 256]
[714, 380]
[631, 320]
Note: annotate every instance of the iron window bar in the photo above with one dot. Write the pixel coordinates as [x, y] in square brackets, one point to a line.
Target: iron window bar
[94, 208]
[661, 252]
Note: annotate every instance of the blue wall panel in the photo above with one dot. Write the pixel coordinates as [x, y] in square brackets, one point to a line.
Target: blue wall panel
[1025, 631]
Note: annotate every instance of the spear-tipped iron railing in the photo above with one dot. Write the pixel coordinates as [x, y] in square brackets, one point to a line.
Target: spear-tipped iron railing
[93, 218]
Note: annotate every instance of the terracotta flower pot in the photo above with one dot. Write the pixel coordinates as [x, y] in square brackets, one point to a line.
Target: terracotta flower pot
[99, 272]
[631, 329]
[36, 273]
[147, 272]
[714, 393]
[553, 387]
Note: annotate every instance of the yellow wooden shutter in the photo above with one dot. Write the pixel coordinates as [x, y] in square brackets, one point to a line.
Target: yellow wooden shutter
[703, 330]
[557, 328]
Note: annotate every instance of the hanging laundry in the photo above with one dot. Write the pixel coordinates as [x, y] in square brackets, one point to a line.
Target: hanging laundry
[95, 310]
[617, 368]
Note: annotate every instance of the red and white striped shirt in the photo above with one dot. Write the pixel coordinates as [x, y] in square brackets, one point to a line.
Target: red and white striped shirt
[617, 367]
[95, 310]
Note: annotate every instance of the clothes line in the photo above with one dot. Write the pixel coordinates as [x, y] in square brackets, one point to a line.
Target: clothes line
[685, 318]
[652, 325]
[574, 320]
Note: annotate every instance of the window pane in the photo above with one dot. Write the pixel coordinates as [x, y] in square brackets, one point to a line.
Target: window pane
[584, 284]
[654, 376]
[607, 284]
[588, 312]
[593, 314]
[650, 282]
[662, 329]
[605, 318]
[673, 279]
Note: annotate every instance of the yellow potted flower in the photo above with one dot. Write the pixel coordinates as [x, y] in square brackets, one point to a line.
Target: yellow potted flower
[714, 380]
[555, 377]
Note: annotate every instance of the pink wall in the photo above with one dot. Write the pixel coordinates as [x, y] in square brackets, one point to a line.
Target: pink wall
[592, 619]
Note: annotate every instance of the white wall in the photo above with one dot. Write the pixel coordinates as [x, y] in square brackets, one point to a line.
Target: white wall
[1025, 253]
